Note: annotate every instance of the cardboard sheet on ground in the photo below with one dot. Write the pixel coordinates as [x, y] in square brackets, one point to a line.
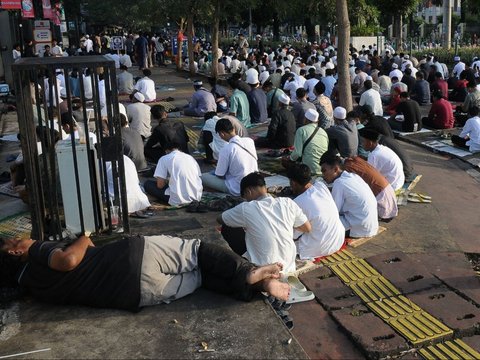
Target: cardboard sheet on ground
[444, 147]
[412, 133]
[277, 180]
[354, 242]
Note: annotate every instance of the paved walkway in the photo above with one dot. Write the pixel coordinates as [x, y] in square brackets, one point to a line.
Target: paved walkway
[433, 234]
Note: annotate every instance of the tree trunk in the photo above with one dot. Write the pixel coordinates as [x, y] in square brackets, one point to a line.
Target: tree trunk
[310, 29]
[276, 27]
[190, 34]
[216, 25]
[399, 31]
[343, 55]
[180, 43]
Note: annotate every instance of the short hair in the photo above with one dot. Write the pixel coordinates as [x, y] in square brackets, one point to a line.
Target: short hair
[267, 84]
[319, 88]
[438, 94]
[300, 173]
[123, 67]
[147, 72]
[404, 94]
[438, 74]
[157, 110]
[252, 180]
[471, 84]
[170, 145]
[394, 78]
[123, 120]
[67, 119]
[329, 72]
[233, 82]
[209, 114]
[408, 71]
[301, 92]
[368, 84]
[224, 125]
[474, 111]
[331, 158]
[419, 75]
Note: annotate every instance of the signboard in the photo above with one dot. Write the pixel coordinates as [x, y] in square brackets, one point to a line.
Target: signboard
[42, 24]
[42, 35]
[40, 47]
[116, 43]
[11, 4]
[47, 9]
[27, 9]
[63, 27]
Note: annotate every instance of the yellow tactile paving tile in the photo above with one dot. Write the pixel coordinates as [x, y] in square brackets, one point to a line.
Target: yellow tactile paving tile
[338, 257]
[374, 288]
[455, 349]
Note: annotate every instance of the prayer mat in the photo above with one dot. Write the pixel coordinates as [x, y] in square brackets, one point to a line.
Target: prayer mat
[400, 133]
[19, 225]
[155, 225]
[445, 147]
[6, 189]
[354, 242]
[193, 137]
[303, 266]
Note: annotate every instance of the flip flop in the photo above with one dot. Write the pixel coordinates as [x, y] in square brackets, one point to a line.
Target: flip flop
[413, 197]
[139, 215]
[297, 296]
[296, 284]
[287, 320]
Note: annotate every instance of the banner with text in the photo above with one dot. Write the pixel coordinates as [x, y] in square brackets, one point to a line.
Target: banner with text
[10, 4]
[47, 9]
[27, 9]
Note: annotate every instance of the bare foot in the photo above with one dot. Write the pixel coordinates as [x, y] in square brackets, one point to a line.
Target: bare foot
[271, 271]
[276, 288]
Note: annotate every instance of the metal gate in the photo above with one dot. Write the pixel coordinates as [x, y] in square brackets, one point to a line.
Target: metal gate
[78, 182]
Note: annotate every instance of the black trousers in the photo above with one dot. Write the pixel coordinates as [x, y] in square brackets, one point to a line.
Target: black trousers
[459, 141]
[235, 237]
[224, 272]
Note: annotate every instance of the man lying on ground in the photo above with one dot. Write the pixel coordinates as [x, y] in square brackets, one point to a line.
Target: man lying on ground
[136, 271]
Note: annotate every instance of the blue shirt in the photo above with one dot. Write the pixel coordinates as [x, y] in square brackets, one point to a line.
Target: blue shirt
[329, 83]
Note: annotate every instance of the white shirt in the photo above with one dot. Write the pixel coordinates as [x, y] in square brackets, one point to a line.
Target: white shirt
[235, 163]
[125, 60]
[328, 234]
[136, 198]
[16, 54]
[472, 129]
[57, 51]
[396, 73]
[263, 77]
[268, 224]
[217, 143]
[88, 45]
[183, 172]
[292, 87]
[146, 86]
[356, 204]
[139, 118]
[372, 97]
[309, 85]
[388, 164]
[457, 69]
[87, 87]
[235, 64]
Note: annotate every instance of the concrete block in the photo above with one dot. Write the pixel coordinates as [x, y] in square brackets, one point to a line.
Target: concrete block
[319, 335]
[457, 313]
[406, 274]
[331, 292]
[375, 337]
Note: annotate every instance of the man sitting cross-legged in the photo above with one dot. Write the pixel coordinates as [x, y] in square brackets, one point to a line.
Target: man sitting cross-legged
[261, 228]
[354, 199]
[177, 176]
[136, 271]
[236, 159]
[328, 234]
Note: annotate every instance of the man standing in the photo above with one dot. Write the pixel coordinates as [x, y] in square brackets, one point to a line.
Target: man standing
[265, 225]
[328, 234]
[146, 86]
[139, 115]
[310, 143]
[178, 178]
[354, 199]
[141, 52]
[166, 132]
[202, 101]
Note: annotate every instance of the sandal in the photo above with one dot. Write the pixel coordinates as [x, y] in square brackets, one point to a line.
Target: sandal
[287, 320]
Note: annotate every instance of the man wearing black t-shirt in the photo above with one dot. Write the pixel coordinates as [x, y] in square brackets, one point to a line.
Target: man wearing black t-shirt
[136, 271]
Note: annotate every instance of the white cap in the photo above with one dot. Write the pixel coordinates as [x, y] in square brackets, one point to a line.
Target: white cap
[284, 99]
[340, 113]
[352, 62]
[368, 77]
[311, 115]
[252, 77]
[296, 61]
[139, 96]
[456, 58]
[262, 68]
[197, 83]
[406, 57]
[329, 65]
[394, 66]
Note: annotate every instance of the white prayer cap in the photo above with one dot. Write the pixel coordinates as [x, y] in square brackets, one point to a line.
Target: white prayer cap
[311, 115]
[456, 58]
[329, 65]
[340, 113]
[262, 68]
[252, 77]
[352, 62]
[139, 96]
[284, 99]
[197, 83]
[368, 78]
[296, 61]
[406, 57]
[394, 66]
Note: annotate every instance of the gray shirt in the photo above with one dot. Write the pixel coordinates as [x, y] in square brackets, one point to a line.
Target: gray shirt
[125, 82]
[343, 137]
[133, 147]
[299, 109]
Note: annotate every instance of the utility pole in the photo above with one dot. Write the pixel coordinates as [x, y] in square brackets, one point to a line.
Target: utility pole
[447, 24]
[250, 24]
